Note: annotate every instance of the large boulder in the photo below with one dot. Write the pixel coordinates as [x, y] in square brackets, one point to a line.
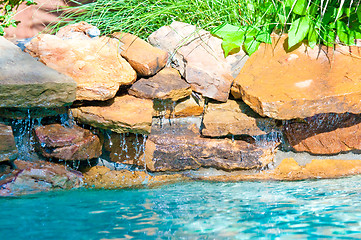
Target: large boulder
[8, 150]
[325, 133]
[26, 83]
[143, 57]
[234, 118]
[167, 84]
[95, 64]
[76, 143]
[122, 114]
[301, 82]
[34, 177]
[199, 58]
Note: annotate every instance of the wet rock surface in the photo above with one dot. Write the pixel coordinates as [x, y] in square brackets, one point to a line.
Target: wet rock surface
[198, 57]
[181, 148]
[94, 64]
[325, 133]
[302, 83]
[187, 107]
[103, 177]
[290, 170]
[76, 143]
[122, 114]
[8, 150]
[167, 84]
[234, 118]
[26, 83]
[143, 57]
[34, 177]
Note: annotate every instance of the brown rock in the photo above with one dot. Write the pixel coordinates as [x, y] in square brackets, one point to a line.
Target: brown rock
[199, 58]
[170, 152]
[143, 57]
[124, 148]
[123, 114]
[325, 133]
[94, 64]
[34, 177]
[167, 84]
[234, 118]
[187, 107]
[56, 141]
[300, 83]
[26, 83]
[290, 170]
[103, 177]
[8, 150]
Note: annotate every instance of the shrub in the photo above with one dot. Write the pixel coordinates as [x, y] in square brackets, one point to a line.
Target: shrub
[7, 12]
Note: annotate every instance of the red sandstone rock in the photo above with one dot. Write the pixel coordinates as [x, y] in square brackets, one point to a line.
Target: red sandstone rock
[167, 84]
[198, 57]
[34, 177]
[234, 118]
[123, 114]
[143, 57]
[301, 83]
[8, 148]
[56, 141]
[94, 64]
[170, 152]
[325, 133]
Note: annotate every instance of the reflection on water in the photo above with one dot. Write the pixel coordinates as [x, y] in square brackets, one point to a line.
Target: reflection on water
[199, 210]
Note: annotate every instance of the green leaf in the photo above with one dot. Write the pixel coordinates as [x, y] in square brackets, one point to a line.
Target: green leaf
[282, 18]
[264, 36]
[228, 47]
[329, 37]
[312, 38]
[345, 34]
[358, 12]
[298, 31]
[230, 33]
[298, 6]
[251, 45]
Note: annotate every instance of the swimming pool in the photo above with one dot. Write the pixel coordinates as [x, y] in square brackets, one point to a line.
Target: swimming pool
[193, 210]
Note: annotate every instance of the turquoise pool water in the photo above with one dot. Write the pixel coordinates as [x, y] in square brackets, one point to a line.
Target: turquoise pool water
[199, 210]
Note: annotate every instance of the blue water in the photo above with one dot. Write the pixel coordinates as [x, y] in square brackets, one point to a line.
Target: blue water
[323, 209]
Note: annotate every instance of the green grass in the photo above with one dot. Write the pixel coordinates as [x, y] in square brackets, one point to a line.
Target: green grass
[144, 17]
[245, 23]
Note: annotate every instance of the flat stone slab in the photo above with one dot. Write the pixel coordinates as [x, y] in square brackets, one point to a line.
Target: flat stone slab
[143, 57]
[121, 115]
[300, 83]
[325, 133]
[95, 64]
[199, 58]
[234, 118]
[168, 152]
[290, 170]
[167, 84]
[27, 83]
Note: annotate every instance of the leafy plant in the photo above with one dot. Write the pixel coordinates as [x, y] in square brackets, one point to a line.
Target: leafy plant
[7, 12]
[317, 21]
